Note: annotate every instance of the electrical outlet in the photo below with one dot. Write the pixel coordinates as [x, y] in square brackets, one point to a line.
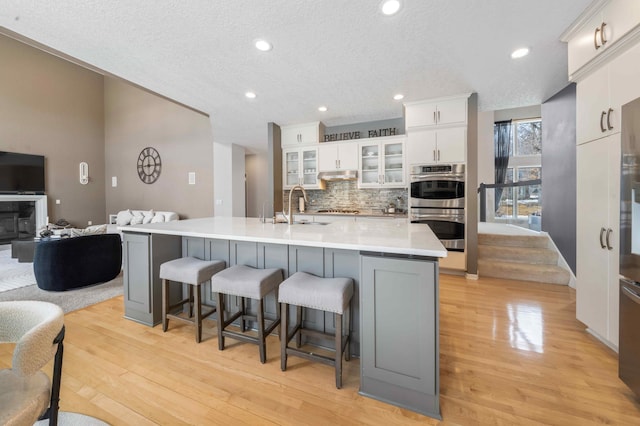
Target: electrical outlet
[57, 201]
[114, 181]
[218, 202]
[89, 223]
[192, 178]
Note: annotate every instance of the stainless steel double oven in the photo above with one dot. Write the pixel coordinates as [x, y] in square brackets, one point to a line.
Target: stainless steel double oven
[437, 200]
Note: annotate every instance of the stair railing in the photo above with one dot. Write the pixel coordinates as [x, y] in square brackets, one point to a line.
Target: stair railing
[482, 190]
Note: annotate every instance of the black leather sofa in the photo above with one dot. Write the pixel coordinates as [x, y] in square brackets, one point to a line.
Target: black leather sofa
[75, 262]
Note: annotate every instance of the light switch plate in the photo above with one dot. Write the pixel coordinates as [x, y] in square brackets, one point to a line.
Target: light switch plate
[192, 178]
[114, 181]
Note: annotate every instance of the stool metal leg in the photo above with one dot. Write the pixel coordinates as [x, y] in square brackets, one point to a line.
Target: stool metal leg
[190, 301]
[299, 326]
[284, 335]
[165, 304]
[198, 307]
[220, 309]
[243, 309]
[261, 336]
[338, 358]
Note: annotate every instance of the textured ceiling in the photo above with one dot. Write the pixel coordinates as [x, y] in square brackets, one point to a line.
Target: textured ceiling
[342, 54]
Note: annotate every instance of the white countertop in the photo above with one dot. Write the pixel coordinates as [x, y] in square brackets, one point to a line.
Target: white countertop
[382, 235]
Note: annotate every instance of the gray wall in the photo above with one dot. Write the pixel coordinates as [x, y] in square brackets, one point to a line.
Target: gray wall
[135, 119]
[365, 127]
[559, 172]
[471, 227]
[51, 107]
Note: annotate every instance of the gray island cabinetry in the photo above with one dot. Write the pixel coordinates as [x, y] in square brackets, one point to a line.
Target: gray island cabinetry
[394, 265]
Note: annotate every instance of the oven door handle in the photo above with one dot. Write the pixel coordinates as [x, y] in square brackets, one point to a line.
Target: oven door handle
[438, 217]
[451, 178]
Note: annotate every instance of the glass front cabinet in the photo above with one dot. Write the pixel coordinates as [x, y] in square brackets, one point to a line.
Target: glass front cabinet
[300, 167]
[381, 163]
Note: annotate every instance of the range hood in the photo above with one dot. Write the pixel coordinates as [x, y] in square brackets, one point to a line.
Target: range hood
[338, 175]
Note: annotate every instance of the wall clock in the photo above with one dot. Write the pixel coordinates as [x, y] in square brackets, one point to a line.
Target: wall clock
[149, 165]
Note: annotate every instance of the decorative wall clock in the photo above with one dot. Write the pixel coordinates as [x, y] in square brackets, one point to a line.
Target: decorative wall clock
[149, 165]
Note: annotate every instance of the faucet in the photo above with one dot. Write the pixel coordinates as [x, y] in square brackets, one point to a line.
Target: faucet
[304, 194]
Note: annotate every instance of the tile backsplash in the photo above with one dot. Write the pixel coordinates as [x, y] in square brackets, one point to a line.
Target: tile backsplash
[346, 195]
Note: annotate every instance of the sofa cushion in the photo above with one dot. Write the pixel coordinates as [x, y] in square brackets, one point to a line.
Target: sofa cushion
[124, 217]
[157, 218]
[147, 217]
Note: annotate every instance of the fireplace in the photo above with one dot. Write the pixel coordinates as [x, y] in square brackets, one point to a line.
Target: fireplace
[21, 216]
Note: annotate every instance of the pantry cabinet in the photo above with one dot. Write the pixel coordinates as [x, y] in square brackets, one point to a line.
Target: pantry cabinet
[300, 167]
[597, 236]
[337, 156]
[381, 163]
[301, 134]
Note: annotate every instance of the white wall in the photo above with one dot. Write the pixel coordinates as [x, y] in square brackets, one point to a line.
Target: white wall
[228, 180]
[257, 170]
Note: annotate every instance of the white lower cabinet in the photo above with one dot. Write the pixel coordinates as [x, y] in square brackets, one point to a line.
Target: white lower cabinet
[598, 225]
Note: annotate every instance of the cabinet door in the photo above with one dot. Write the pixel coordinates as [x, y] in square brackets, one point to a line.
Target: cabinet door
[592, 221]
[137, 274]
[615, 154]
[401, 350]
[453, 111]
[348, 156]
[582, 46]
[302, 134]
[309, 167]
[291, 168]
[452, 144]
[421, 146]
[327, 157]
[309, 133]
[393, 163]
[592, 109]
[422, 114]
[289, 136]
[620, 16]
[369, 170]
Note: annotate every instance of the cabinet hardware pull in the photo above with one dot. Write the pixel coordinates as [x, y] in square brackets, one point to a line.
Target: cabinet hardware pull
[438, 155]
[595, 38]
[438, 116]
[609, 231]
[602, 129]
[434, 155]
[609, 126]
[603, 39]
[601, 241]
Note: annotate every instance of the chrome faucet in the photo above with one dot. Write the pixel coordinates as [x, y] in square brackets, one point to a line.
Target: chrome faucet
[304, 194]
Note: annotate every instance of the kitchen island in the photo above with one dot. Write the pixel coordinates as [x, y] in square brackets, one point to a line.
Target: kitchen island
[394, 265]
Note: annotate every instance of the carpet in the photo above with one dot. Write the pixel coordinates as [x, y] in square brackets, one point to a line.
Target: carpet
[69, 300]
[74, 419]
[12, 273]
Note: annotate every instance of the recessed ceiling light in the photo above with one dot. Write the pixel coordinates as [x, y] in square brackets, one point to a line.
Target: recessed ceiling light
[250, 95]
[322, 109]
[390, 7]
[519, 53]
[398, 96]
[263, 45]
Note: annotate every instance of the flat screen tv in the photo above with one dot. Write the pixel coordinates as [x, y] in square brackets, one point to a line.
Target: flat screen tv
[21, 173]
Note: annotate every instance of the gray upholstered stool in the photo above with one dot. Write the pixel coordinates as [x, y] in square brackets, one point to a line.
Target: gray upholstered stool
[325, 294]
[192, 271]
[246, 282]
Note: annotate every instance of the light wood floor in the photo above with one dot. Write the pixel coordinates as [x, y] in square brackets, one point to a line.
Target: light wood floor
[511, 353]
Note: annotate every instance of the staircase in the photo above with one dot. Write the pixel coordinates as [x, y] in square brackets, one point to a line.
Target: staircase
[520, 257]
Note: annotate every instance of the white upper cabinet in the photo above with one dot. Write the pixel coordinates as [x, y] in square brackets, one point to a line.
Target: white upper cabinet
[381, 163]
[300, 167]
[594, 32]
[446, 145]
[337, 156]
[301, 134]
[436, 112]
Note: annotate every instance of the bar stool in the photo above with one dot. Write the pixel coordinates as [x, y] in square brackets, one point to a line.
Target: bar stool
[246, 282]
[325, 294]
[194, 272]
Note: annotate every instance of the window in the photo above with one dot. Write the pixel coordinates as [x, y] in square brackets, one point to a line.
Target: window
[525, 163]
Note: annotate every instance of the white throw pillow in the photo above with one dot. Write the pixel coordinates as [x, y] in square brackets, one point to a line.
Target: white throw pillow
[95, 229]
[137, 218]
[159, 217]
[124, 217]
[147, 216]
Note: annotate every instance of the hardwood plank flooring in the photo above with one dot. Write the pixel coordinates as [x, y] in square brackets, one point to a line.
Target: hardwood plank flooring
[512, 353]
